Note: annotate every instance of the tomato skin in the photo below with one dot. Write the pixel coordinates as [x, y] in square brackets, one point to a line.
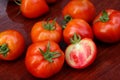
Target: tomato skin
[15, 42]
[39, 33]
[81, 54]
[108, 31]
[34, 8]
[37, 65]
[81, 9]
[77, 26]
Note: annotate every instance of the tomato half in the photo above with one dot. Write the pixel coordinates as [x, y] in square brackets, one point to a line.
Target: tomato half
[106, 26]
[12, 44]
[81, 54]
[77, 26]
[33, 8]
[44, 59]
[46, 30]
[82, 9]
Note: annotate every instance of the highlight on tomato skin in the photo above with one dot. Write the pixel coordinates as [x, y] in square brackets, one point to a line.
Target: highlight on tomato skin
[81, 54]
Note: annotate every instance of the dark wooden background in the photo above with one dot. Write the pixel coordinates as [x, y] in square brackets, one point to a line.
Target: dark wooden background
[105, 67]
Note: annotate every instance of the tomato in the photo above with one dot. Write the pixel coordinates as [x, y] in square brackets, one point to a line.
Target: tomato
[51, 1]
[77, 26]
[81, 54]
[106, 26]
[82, 9]
[12, 44]
[44, 59]
[46, 30]
[34, 8]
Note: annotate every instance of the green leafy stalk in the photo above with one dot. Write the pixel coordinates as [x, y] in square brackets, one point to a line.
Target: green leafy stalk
[104, 17]
[75, 39]
[49, 25]
[67, 18]
[4, 49]
[48, 55]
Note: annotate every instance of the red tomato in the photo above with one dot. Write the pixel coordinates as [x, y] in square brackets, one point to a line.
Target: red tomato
[82, 9]
[44, 59]
[81, 54]
[106, 26]
[34, 8]
[77, 26]
[12, 44]
[46, 30]
[51, 1]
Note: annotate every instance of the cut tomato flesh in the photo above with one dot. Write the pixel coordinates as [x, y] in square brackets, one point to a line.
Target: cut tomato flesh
[80, 55]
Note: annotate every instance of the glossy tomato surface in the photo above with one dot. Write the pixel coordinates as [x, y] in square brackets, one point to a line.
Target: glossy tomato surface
[82, 9]
[12, 44]
[106, 26]
[46, 30]
[44, 59]
[34, 8]
[80, 55]
[79, 27]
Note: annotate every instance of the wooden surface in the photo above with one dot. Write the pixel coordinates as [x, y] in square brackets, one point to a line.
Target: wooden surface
[105, 67]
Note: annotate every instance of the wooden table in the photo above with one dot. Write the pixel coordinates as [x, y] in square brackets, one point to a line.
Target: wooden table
[105, 67]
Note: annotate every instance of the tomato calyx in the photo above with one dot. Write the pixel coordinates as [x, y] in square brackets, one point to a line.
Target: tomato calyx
[75, 39]
[49, 55]
[49, 25]
[4, 49]
[67, 18]
[104, 17]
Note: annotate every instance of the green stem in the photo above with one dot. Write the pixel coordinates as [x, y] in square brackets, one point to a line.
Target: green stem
[48, 55]
[104, 17]
[49, 25]
[75, 39]
[67, 18]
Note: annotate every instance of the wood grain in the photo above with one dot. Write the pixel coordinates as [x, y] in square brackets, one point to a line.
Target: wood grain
[105, 67]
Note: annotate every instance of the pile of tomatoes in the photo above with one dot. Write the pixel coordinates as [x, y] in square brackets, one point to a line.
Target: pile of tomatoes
[44, 57]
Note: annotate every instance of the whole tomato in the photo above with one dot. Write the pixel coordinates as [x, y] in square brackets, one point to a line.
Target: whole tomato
[81, 54]
[46, 30]
[44, 59]
[12, 44]
[82, 9]
[77, 26]
[106, 26]
[34, 8]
